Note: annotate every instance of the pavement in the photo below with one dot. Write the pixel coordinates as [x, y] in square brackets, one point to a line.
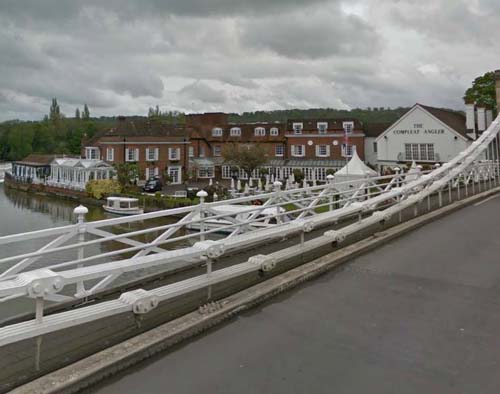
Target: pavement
[420, 314]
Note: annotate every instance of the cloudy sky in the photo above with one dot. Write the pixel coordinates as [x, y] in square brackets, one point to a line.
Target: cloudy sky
[122, 56]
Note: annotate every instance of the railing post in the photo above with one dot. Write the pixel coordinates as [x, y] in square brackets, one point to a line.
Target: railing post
[450, 185]
[80, 212]
[277, 188]
[330, 179]
[202, 194]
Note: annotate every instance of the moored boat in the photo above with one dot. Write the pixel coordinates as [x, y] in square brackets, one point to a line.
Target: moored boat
[123, 206]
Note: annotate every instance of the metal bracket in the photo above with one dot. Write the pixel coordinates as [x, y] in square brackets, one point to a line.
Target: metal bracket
[142, 301]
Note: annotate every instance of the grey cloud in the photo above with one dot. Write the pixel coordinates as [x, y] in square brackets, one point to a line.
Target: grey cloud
[137, 85]
[319, 34]
[201, 91]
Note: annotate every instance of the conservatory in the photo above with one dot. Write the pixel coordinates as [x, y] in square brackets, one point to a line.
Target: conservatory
[73, 173]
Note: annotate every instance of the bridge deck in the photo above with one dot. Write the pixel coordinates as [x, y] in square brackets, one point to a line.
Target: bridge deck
[420, 314]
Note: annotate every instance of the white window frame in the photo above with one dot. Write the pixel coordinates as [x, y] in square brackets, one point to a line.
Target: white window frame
[110, 154]
[260, 131]
[298, 150]
[274, 131]
[91, 151]
[279, 150]
[171, 169]
[297, 128]
[326, 152]
[235, 132]
[191, 151]
[216, 132]
[174, 154]
[348, 127]
[347, 150]
[217, 150]
[152, 154]
[322, 127]
[206, 172]
[420, 152]
[131, 155]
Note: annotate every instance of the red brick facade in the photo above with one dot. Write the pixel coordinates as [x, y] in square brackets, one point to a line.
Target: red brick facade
[194, 150]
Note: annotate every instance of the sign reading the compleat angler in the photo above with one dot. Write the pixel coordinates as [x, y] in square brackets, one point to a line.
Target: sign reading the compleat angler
[417, 129]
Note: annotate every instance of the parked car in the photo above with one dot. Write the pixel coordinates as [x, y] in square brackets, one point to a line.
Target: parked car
[153, 185]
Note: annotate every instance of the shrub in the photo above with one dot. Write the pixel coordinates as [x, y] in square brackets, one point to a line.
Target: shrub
[99, 188]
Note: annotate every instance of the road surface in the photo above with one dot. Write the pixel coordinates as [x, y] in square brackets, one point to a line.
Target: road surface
[419, 315]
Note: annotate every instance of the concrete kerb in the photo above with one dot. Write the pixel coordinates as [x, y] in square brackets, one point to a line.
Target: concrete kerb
[97, 367]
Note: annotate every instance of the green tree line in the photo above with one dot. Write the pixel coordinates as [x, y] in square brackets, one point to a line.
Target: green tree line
[55, 134]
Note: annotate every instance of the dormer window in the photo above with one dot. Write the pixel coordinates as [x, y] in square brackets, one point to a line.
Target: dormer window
[297, 128]
[274, 131]
[260, 131]
[348, 127]
[235, 132]
[217, 132]
[322, 127]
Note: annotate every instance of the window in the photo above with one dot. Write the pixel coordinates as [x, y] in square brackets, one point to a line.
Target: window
[348, 127]
[191, 151]
[131, 154]
[298, 150]
[175, 175]
[235, 132]
[419, 152]
[174, 154]
[217, 132]
[152, 154]
[297, 128]
[347, 150]
[152, 172]
[274, 131]
[260, 131]
[279, 150]
[322, 127]
[217, 150]
[374, 147]
[226, 172]
[322, 150]
[206, 172]
[92, 153]
[110, 154]
[202, 151]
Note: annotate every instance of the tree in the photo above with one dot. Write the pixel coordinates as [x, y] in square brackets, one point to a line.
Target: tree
[85, 113]
[20, 142]
[126, 173]
[482, 91]
[54, 112]
[77, 114]
[248, 157]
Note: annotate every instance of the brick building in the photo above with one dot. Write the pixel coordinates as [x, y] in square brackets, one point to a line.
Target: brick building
[194, 151]
[156, 147]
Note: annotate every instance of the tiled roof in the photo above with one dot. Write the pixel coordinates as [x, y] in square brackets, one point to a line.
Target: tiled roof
[453, 119]
[333, 124]
[37, 160]
[375, 129]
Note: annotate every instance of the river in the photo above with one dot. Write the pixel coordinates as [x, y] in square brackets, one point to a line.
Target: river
[22, 212]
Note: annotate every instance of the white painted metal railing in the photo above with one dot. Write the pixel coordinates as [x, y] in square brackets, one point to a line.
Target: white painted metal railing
[370, 201]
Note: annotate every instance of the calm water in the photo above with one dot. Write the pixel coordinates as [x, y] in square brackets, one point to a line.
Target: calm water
[22, 212]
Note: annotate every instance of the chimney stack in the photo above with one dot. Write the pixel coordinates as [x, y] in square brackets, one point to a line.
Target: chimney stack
[481, 119]
[489, 117]
[497, 80]
[470, 121]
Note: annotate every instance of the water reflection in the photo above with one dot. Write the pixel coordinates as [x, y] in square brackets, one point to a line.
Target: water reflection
[22, 212]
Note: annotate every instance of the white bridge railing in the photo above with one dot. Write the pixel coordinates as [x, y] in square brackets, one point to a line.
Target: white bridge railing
[72, 266]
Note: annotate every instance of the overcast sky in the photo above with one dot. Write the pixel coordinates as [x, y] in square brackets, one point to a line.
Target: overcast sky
[123, 56]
